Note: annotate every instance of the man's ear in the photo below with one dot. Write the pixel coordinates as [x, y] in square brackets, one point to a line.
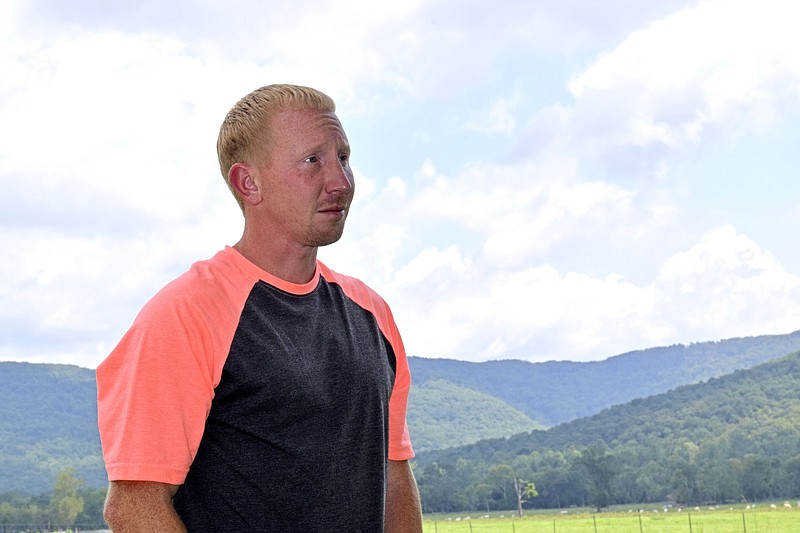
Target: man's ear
[243, 182]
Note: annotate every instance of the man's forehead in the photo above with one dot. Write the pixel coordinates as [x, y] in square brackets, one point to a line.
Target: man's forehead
[307, 116]
[306, 122]
[307, 129]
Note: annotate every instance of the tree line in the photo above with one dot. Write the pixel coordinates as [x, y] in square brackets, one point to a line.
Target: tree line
[598, 477]
[69, 505]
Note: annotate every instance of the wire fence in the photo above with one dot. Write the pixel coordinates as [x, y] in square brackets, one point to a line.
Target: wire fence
[712, 522]
[28, 528]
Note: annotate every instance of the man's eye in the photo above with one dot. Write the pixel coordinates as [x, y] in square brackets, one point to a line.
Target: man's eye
[344, 158]
[312, 159]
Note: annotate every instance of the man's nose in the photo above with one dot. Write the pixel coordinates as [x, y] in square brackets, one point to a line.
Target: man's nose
[339, 178]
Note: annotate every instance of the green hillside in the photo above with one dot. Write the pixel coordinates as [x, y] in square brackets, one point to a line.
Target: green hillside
[732, 439]
[48, 412]
[559, 391]
[440, 412]
[48, 421]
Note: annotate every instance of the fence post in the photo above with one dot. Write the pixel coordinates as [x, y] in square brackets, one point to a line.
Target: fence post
[744, 524]
[690, 522]
[594, 521]
[640, 521]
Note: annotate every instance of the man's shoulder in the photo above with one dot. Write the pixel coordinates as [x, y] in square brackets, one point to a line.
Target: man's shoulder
[206, 282]
[334, 276]
[355, 289]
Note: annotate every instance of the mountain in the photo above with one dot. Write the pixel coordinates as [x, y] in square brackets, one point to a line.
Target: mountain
[758, 399]
[441, 412]
[559, 391]
[730, 439]
[48, 415]
[48, 421]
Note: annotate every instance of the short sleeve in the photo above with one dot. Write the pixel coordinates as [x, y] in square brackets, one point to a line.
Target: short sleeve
[399, 440]
[156, 387]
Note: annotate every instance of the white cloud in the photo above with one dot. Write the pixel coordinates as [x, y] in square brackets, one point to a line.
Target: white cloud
[534, 216]
[723, 286]
[727, 283]
[498, 119]
[429, 260]
[719, 65]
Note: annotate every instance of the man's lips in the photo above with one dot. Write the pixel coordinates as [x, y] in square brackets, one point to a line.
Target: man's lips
[334, 210]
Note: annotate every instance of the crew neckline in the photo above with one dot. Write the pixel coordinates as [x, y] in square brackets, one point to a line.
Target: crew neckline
[263, 275]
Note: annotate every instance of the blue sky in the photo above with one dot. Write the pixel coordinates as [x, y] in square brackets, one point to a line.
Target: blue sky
[534, 180]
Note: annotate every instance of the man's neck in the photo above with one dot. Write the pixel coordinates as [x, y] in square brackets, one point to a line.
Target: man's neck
[292, 264]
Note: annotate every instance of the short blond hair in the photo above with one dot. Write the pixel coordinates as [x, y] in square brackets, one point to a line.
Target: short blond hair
[247, 123]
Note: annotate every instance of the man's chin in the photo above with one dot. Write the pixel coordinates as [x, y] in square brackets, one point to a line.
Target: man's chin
[329, 238]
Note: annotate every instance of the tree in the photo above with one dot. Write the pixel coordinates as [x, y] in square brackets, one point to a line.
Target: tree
[500, 477]
[481, 494]
[66, 504]
[685, 488]
[524, 491]
[599, 466]
[92, 515]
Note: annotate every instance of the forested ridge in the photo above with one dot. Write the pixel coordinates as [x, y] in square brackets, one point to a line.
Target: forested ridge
[48, 423]
[441, 412]
[733, 438]
[48, 412]
[51, 471]
[559, 391]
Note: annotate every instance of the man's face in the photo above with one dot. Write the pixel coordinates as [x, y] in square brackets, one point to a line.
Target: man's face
[306, 180]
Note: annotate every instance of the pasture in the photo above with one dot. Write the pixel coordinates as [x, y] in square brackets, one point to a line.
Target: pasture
[738, 519]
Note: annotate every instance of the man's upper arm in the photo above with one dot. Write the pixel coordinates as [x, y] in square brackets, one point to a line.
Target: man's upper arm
[139, 506]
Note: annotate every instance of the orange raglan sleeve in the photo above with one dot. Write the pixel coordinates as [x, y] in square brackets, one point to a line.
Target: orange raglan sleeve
[399, 440]
[155, 388]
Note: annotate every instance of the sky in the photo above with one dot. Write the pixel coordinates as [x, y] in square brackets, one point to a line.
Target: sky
[534, 180]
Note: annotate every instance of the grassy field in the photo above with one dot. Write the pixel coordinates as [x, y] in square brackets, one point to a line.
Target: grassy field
[762, 519]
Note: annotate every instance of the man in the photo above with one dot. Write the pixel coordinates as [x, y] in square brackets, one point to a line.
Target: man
[261, 391]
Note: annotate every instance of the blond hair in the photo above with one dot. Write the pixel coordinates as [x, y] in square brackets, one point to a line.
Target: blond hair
[245, 129]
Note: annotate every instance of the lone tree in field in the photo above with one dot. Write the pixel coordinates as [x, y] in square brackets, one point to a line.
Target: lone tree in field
[524, 490]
